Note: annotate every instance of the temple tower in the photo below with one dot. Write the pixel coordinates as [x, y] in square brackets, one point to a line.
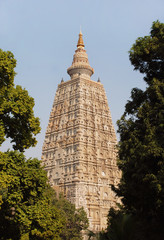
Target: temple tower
[79, 151]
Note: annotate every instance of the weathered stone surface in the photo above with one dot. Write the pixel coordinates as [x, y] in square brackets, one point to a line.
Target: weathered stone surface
[79, 151]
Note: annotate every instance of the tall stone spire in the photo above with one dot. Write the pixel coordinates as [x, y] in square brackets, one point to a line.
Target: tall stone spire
[80, 64]
[79, 151]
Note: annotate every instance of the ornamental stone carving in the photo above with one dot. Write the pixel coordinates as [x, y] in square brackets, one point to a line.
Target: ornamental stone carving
[79, 152]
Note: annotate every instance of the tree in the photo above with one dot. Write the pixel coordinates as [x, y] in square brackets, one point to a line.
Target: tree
[25, 208]
[141, 147]
[147, 54]
[97, 236]
[29, 206]
[75, 219]
[120, 226]
[17, 119]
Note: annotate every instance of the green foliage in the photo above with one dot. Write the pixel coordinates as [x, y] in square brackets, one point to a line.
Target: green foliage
[7, 73]
[141, 147]
[147, 53]
[120, 225]
[29, 208]
[47, 222]
[17, 119]
[24, 208]
[75, 219]
[97, 236]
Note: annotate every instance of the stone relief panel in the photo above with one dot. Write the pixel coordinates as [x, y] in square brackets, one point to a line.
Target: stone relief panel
[79, 152]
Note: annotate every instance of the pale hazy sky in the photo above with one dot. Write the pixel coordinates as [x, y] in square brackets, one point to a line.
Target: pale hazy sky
[43, 35]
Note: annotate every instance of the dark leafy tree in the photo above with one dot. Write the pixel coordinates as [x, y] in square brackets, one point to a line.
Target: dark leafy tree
[120, 226]
[141, 147]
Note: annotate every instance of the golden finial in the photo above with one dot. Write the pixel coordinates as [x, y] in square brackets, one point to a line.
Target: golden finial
[80, 41]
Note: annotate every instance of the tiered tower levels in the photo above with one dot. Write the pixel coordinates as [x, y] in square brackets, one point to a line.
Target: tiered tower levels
[79, 151]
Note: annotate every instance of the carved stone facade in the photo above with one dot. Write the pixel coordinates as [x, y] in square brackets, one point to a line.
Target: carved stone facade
[79, 151]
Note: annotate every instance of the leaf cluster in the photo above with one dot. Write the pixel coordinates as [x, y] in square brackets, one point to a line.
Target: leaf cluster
[17, 120]
[147, 54]
[75, 219]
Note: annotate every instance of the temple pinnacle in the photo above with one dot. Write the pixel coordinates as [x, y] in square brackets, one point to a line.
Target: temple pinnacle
[79, 151]
[80, 62]
[80, 41]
